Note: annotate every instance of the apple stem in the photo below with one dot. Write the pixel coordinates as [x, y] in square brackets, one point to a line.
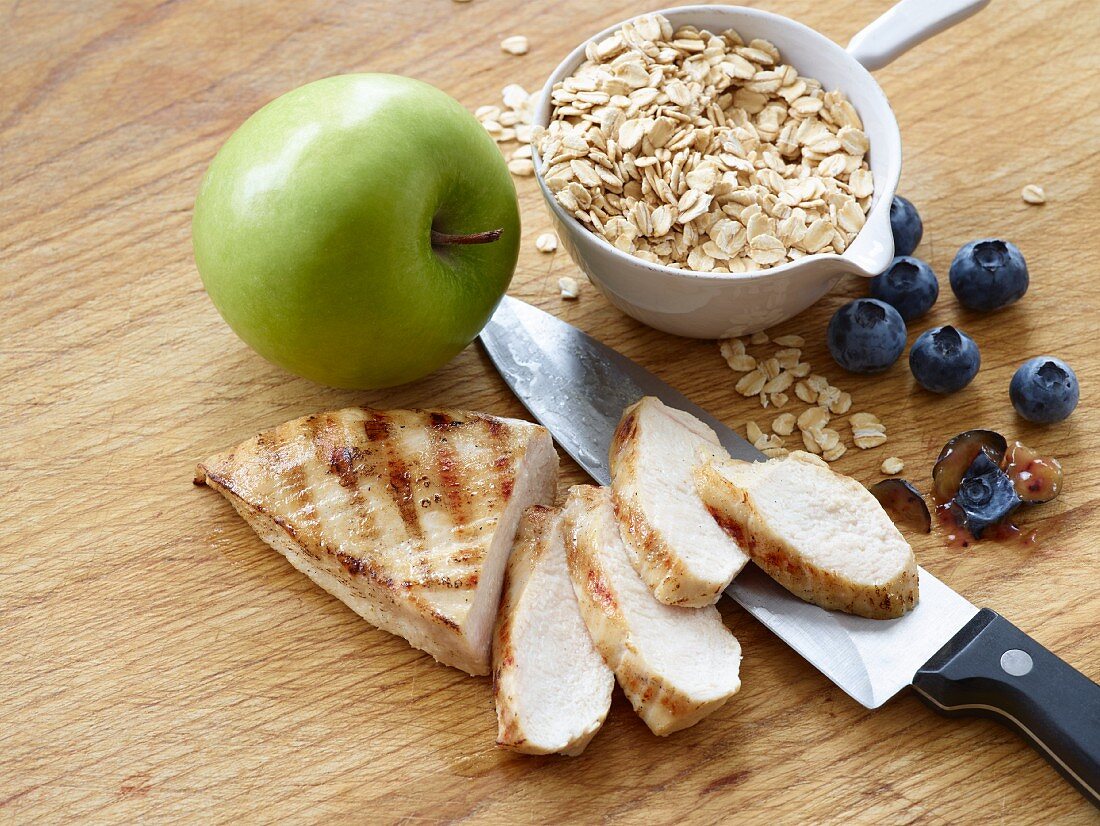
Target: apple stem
[443, 239]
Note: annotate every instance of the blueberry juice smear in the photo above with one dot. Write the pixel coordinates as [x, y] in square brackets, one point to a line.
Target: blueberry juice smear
[958, 536]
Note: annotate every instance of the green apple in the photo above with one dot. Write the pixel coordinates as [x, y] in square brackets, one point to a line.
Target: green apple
[358, 231]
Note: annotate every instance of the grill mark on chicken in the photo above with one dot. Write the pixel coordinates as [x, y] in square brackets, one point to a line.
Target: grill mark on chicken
[379, 429]
[376, 425]
[653, 549]
[449, 469]
[432, 580]
[624, 433]
[504, 464]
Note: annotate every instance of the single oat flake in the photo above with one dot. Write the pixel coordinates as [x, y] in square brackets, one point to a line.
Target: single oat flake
[1033, 194]
[547, 242]
[569, 287]
[516, 44]
[892, 466]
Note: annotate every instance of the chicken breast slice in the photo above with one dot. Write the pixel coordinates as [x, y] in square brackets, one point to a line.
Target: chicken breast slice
[551, 687]
[684, 557]
[406, 516]
[676, 665]
[818, 533]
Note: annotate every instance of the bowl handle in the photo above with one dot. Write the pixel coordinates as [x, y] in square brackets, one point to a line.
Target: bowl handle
[905, 25]
[873, 249]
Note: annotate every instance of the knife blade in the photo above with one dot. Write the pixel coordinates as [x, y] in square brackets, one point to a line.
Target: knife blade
[577, 388]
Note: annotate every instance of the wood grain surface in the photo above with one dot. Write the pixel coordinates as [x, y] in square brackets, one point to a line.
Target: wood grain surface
[159, 663]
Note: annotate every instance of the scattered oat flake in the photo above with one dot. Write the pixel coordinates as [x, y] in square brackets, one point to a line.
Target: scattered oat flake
[783, 424]
[841, 404]
[790, 341]
[569, 287]
[547, 242]
[805, 393]
[516, 44]
[892, 466]
[753, 432]
[813, 418]
[866, 438]
[809, 442]
[521, 167]
[801, 370]
[863, 420]
[1033, 194]
[758, 338]
[751, 383]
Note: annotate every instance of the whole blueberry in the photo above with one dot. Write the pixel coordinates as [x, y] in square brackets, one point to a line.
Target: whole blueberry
[1044, 389]
[944, 359]
[906, 224]
[908, 285]
[866, 336]
[986, 495]
[988, 274]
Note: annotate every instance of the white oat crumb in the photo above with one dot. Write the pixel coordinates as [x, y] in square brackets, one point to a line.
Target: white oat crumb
[892, 466]
[569, 287]
[516, 44]
[1033, 194]
[547, 242]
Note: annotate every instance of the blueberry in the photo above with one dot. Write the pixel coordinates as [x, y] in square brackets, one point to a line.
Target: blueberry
[1044, 389]
[906, 225]
[866, 336]
[944, 359]
[988, 274]
[986, 496]
[908, 285]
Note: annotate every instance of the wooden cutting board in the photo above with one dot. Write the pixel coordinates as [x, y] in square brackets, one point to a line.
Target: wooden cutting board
[159, 663]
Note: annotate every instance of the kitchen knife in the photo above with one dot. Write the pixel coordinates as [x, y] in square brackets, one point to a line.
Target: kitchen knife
[960, 660]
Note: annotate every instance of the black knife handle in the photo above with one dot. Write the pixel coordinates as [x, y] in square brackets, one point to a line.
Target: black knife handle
[993, 669]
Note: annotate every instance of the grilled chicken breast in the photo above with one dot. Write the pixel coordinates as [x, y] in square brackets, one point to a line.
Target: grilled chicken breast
[684, 557]
[676, 665]
[819, 534]
[407, 516]
[551, 687]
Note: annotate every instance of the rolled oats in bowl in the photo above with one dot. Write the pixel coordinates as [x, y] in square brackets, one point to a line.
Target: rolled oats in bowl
[702, 152]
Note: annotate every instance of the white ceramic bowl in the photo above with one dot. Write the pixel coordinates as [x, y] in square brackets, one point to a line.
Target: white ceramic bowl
[709, 305]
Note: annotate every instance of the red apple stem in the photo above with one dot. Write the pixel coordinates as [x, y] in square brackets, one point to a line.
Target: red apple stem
[443, 239]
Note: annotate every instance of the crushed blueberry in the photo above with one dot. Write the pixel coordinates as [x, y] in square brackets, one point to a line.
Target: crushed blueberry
[988, 274]
[908, 285]
[979, 481]
[944, 359]
[986, 496]
[903, 503]
[1044, 390]
[906, 225]
[866, 336]
[957, 456]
